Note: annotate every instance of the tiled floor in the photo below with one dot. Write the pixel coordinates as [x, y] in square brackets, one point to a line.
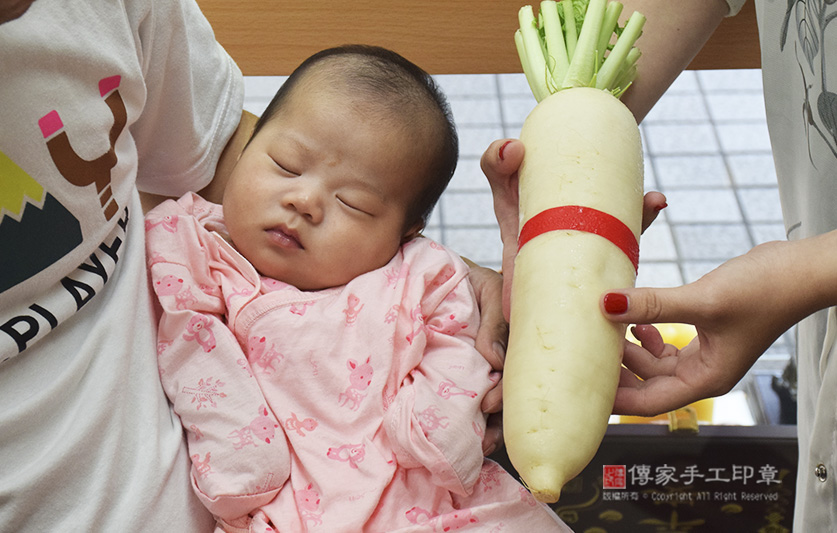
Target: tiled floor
[706, 148]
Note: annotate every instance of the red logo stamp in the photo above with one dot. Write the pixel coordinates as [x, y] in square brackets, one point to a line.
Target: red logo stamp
[614, 477]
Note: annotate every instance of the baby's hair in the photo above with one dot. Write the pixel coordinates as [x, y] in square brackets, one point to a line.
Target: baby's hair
[387, 83]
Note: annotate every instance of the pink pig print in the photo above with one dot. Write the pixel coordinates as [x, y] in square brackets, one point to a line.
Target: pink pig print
[348, 453]
[199, 329]
[360, 377]
[308, 503]
[170, 285]
[262, 426]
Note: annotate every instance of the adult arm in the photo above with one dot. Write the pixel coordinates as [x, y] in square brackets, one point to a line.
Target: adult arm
[739, 310]
[673, 35]
[214, 192]
[493, 333]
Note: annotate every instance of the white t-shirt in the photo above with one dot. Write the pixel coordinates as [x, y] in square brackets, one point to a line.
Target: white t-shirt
[799, 67]
[98, 98]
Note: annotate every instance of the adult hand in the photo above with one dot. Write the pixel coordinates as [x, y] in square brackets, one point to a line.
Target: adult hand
[739, 310]
[500, 163]
[492, 336]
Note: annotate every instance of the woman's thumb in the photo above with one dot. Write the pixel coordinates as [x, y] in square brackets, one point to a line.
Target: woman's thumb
[645, 305]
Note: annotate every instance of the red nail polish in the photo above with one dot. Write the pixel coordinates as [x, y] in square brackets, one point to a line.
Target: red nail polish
[502, 149]
[661, 207]
[615, 303]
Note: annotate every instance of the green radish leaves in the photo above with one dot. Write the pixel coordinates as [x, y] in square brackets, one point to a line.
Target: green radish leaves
[577, 43]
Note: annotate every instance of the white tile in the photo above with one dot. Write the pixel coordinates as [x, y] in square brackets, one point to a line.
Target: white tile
[259, 91]
[467, 84]
[688, 107]
[650, 182]
[658, 274]
[744, 137]
[474, 140]
[434, 233]
[435, 219]
[730, 80]
[514, 84]
[711, 242]
[702, 205]
[752, 169]
[516, 109]
[726, 107]
[468, 176]
[475, 111]
[705, 170]
[263, 86]
[657, 244]
[256, 105]
[483, 246]
[680, 138]
[768, 232]
[694, 270]
[686, 82]
[761, 204]
[468, 209]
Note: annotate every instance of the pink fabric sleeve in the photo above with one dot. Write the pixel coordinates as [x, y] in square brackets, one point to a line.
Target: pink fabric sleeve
[435, 420]
[239, 454]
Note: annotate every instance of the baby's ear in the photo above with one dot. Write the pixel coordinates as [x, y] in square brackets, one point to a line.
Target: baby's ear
[413, 232]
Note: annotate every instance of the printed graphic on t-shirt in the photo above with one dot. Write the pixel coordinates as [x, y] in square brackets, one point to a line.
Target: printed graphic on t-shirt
[76, 170]
[35, 229]
[38, 229]
[809, 21]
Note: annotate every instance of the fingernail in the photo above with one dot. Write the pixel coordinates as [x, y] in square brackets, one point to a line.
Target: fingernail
[661, 207]
[503, 149]
[615, 303]
[490, 449]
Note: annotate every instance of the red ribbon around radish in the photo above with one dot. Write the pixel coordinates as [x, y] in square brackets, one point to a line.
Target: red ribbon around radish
[580, 218]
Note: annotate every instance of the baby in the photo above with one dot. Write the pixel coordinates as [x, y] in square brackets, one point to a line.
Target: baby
[318, 350]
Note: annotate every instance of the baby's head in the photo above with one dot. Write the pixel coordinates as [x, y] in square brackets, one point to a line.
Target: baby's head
[344, 166]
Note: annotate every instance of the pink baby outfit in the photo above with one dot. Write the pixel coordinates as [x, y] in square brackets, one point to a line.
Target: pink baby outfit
[355, 408]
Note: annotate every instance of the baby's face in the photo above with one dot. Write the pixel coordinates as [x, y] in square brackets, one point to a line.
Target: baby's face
[320, 194]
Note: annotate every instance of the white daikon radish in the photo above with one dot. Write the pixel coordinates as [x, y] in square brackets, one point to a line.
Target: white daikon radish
[581, 189]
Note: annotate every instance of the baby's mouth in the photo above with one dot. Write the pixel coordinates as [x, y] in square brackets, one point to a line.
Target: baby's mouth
[285, 238]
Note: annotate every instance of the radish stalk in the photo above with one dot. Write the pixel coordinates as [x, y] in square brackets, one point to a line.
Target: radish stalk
[580, 218]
